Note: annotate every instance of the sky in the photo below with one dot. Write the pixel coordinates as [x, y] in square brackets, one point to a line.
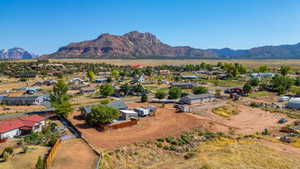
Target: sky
[42, 26]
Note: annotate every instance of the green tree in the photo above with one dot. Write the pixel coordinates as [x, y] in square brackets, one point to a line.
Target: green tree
[280, 84]
[175, 93]
[247, 88]
[125, 88]
[254, 82]
[90, 75]
[297, 81]
[160, 94]
[102, 114]
[106, 90]
[60, 100]
[199, 90]
[40, 164]
[115, 73]
[284, 70]
[144, 98]
[263, 68]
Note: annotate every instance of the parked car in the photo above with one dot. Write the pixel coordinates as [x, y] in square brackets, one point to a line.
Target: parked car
[282, 120]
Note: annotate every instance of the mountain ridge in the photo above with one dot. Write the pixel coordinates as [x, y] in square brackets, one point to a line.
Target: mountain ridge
[16, 53]
[136, 45]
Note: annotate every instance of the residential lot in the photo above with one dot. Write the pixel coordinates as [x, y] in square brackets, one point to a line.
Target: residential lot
[166, 122]
[74, 153]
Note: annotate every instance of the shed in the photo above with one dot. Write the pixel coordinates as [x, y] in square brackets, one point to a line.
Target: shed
[128, 114]
[192, 99]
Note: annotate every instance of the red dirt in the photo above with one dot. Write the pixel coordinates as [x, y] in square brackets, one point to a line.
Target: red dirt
[165, 123]
[74, 154]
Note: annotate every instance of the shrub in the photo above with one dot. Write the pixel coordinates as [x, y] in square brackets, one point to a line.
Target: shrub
[189, 155]
[169, 139]
[161, 139]
[144, 98]
[104, 101]
[199, 90]
[166, 147]
[159, 145]
[173, 147]
[40, 164]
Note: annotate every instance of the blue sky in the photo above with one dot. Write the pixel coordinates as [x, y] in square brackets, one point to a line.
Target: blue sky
[42, 26]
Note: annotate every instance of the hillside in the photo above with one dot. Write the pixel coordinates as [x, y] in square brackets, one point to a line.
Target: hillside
[136, 45]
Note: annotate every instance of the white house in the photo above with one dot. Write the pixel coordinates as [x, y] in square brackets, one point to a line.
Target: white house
[22, 126]
[142, 111]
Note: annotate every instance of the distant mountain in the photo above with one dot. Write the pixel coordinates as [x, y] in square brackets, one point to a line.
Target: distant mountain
[16, 53]
[136, 45]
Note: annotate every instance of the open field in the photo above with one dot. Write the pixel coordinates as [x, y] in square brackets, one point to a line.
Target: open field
[74, 154]
[214, 154]
[155, 62]
[248, 120]
[165, 123]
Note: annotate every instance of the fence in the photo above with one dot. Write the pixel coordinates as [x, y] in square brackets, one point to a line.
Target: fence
[119, 125]
[52, 153]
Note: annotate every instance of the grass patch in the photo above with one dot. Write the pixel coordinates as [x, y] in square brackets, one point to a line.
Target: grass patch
[259, 94]
[225, 111]
[226, 83]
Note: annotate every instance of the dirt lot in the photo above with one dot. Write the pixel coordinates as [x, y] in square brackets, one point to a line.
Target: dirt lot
[20, 109]
[248, 121]
[165, 123]
[74, 154]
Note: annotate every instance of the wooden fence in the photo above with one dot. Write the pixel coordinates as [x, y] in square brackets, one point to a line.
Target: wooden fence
[119, 125]
[52, 153]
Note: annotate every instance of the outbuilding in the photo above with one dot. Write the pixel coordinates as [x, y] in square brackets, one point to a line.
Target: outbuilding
[294, 103]
[200, 98]
[128, 114]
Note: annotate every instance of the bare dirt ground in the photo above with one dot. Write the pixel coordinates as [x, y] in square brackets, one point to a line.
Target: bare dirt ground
[20, 109]
[248, 121]
[165, 123]
[283, 148]
[74, 154]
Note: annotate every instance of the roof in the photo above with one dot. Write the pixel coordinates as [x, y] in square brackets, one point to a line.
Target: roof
[200, 96]
[118, 104]
[27, 121]
[294, 101]
[10, 125]
[128, 111]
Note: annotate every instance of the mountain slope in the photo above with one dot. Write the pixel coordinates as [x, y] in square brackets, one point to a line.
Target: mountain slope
[129, 45]
[16, 53]
[136, 45]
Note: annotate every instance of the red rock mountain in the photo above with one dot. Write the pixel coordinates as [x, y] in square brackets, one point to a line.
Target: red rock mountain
[133, 45]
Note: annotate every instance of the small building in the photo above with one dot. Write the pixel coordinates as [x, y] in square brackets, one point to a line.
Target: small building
[104, 74]
[120, 105]
[87, 90]
[103, 80]
[164, 72]
[22, 100]
[238, 90]
[189, 77]
[26, 75]
[128, 114]
[142, 111]
[200, 98]
[22, 126]
[262, 75]
[294, 103]
[183, 85]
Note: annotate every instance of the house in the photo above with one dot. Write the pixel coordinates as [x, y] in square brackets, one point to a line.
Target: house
[103, 80]
[294, 103]
[164, 72]
[141, 111]
[183, 85]
[76, 81]
[22, 126]
[87, 90]
[104, 74]
[26, 75]
[128, 114]
[23, 100]
[189, 77]
[200, 98]
[120, 105]
[262, 75]
[237, 90]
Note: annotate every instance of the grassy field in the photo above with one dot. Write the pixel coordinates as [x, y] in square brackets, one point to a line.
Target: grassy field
[214, 154]
[153, 62]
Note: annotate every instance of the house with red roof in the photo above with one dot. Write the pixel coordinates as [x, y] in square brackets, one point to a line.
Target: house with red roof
[22, 126]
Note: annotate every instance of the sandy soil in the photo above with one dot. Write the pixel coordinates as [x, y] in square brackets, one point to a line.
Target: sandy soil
[282, 147]
[20, 109]
[165, 123]
[74, 154]
[248, 121]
